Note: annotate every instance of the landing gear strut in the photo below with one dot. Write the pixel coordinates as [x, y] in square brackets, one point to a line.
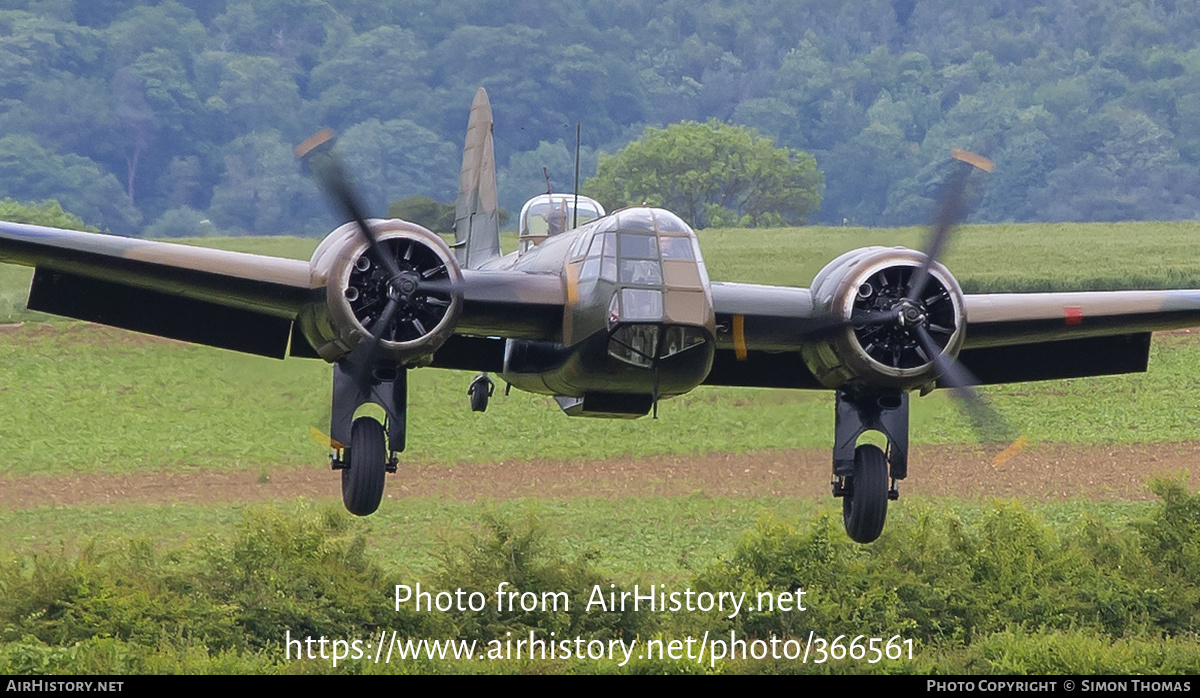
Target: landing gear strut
[865, 476]
[366, 449]
[481, 390]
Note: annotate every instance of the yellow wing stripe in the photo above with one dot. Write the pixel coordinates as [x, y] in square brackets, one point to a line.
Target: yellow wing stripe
[572, 284]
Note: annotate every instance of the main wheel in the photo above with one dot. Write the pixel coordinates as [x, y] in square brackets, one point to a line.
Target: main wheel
[362, 478]
[864, 507]
[480, 391]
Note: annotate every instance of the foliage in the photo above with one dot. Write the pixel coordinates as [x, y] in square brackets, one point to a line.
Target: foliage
[47, 213]
[523, 554]
[980, 589]
[424, 211]
[125, 110]
[941, 580]
[180, 223]
[712, 174]
[298, 569]
[30, 172]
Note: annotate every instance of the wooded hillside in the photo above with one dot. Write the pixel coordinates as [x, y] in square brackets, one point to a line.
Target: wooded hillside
[178, 117]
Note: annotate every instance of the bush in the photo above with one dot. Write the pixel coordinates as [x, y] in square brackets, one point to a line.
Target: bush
[522, 553]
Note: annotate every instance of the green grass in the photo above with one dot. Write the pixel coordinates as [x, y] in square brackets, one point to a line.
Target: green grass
[985, 258]
[76, 398]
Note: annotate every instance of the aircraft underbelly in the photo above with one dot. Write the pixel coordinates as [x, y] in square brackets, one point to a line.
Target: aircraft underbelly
[588, 367]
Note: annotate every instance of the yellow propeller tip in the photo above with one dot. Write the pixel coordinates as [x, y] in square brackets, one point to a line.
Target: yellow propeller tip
[1013, 449]
[973, 159]
[313, 142]
[320, 437]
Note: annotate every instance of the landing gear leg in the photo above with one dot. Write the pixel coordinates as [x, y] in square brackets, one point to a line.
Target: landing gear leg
[362, 452]
[865, 476]
[480, 391]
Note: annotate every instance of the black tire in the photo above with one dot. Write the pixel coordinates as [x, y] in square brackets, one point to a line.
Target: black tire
[864, 507]
[479, 397]
[366, 466]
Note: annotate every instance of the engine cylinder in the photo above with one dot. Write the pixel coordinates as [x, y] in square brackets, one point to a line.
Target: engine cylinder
[883, 348]
[412, 313]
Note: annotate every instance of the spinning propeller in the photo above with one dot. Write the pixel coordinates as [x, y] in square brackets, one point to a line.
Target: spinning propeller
[903, 316]
[399, 290]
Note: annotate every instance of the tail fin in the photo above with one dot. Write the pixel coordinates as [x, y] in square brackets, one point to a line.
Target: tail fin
[477, 220]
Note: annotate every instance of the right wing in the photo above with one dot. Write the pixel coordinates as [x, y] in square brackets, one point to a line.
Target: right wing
[248, 302]
[232, 300]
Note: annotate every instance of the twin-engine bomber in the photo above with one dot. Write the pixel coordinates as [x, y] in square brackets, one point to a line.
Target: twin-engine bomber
[608, 313]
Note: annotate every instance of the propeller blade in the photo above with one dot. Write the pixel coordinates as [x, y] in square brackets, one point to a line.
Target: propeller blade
[820, 328]
[950, 211]
[363, 356]
[317, 152]
[989, 425]
[480, 287]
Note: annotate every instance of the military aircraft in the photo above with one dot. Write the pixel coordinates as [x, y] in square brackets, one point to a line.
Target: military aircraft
[607, 313]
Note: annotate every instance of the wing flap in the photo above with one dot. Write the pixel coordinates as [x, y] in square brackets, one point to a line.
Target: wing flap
[1069, 358]
[157, 313]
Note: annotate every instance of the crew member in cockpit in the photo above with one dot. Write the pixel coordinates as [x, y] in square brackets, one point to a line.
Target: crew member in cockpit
[556, 219]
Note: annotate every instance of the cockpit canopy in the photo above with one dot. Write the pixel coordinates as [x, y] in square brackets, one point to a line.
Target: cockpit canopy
[550, 214]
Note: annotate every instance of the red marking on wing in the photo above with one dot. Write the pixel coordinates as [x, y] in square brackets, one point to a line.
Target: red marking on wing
[1073, 316]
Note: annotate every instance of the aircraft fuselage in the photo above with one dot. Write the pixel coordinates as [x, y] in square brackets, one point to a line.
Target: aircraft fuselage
[638, 323]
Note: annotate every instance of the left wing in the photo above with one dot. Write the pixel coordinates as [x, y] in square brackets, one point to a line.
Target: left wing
[232, 300]
[1015, 337]
[1009, 337]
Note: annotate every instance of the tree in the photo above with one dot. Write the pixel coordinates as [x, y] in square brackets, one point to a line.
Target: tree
[431, 214]
[424, 211]
[262, 192]
[48, 213]
[399, 158]
[29, 172]
[713, 174]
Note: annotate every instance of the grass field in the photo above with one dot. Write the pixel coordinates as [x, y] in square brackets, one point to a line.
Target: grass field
[80, 399]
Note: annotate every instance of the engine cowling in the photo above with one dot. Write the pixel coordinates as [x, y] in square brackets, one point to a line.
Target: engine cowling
[872, 283]
[358, 288]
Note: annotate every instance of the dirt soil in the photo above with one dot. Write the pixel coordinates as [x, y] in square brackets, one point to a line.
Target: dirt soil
[1041, 472]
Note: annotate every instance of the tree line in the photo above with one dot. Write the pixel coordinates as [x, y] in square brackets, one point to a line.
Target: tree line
[177, 117]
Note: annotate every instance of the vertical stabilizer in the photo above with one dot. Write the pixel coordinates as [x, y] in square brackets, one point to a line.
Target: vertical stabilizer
[477, 220]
